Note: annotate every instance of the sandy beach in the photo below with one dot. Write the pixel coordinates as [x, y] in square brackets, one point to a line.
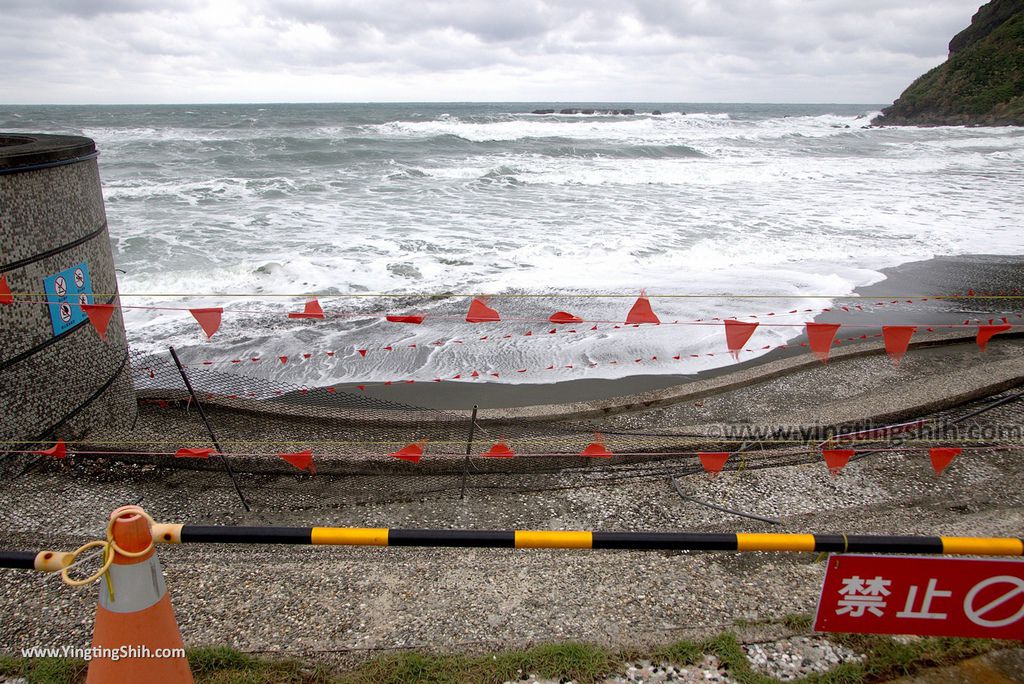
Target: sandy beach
[948, 275]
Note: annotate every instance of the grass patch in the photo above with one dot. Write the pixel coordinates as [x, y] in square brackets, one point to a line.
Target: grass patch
[798, 621]
[222, 665]
[413, 667]
[579, 662]
[679, 653]
[885, 658]
[44, 670]
[731, 655]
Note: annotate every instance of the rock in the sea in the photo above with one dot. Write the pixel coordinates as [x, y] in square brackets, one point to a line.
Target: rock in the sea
[586, 111]
[982, 81]
[656, 112]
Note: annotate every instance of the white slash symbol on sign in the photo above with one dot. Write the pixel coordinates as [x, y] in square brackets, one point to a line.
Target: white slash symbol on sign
[975, 614]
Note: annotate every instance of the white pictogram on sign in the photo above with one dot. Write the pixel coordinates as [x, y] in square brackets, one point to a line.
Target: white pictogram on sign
[974, 614]
[860, 595]
[65, 312]
[83, 299]
[930, 594]
[60, 286]
[79, 277]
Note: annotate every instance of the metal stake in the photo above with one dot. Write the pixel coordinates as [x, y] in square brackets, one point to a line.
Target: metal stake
[213, 437]
[469, 448]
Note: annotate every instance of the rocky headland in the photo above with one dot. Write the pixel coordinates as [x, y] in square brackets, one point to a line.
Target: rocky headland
[981, 83]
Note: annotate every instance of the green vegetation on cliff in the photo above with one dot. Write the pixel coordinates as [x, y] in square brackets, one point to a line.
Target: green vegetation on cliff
[982, 82]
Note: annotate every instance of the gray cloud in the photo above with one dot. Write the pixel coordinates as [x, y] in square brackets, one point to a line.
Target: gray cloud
[655, 50]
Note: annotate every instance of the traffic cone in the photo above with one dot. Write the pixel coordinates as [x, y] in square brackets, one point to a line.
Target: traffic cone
[134, 620]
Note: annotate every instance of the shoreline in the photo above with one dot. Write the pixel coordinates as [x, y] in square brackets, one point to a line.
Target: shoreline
[939, 275]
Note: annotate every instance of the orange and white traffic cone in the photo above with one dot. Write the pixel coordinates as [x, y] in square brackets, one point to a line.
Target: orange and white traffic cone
[136, 637]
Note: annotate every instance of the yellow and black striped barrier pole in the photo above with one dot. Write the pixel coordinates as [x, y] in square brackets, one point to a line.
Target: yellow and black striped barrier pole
[165, 533]
[578, 539]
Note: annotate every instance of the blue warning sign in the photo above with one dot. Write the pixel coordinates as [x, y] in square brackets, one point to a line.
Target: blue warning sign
[66, 292]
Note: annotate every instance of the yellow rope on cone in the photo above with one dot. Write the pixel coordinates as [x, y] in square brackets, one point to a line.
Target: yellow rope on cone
[110, 549]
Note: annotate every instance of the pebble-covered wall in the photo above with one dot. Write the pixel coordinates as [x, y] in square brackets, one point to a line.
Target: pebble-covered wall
[57, 378]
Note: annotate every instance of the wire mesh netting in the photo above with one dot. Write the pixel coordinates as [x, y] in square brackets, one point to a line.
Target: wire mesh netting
[369, 448]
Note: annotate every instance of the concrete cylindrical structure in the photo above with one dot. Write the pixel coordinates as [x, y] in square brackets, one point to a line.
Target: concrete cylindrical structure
[57, 378]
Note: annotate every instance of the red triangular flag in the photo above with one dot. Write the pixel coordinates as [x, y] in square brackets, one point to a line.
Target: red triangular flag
[820, 336]
[411, 452]
[312, 310]
[499, 450]
[405, 319]
[362, 352]
[641, 311]
[209, 319]
[897, 338]
[836, 459]
[5, 291]
[941, 458]
[58, 450]
[564, 317]
[736, 335]
[283, 359]
[303, 460]
[713, 461]
[479, 312]
[596, 449]
[99, 315]
[985, 333]
[193, 453]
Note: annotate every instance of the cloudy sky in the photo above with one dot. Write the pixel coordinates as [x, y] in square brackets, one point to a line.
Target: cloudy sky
[147, 51]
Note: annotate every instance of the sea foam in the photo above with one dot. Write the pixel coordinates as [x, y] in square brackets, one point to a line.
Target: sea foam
[414, 200]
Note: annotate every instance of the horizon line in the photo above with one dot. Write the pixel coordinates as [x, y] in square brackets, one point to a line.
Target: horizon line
[428, 102]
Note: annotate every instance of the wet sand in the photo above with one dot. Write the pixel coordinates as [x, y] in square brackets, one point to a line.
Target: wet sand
[948, 276]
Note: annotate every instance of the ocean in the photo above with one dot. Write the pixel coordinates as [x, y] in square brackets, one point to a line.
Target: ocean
[222, 202]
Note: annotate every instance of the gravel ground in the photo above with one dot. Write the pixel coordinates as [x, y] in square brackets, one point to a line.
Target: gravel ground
[317, 599]
[785, 659]
[345, 603]
[647, 672]
[790, 659]
[775, 402]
